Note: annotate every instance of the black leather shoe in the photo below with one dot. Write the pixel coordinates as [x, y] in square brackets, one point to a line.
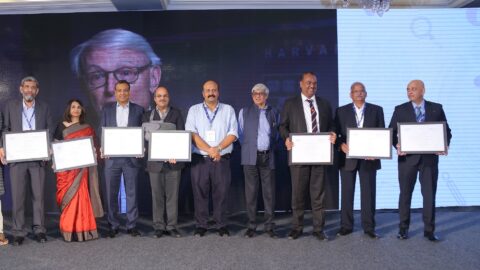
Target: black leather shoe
[294, 234]
[40, 238]
[320, 236]
[112, 233]
[343, 232]
[223, 231]
[372, 234]
[174, 233]
[271, 234]
[199, 232]
[133, 232]
[249, 233]
[158, 233]
[431, 236]
[402, 234]
[18, 240]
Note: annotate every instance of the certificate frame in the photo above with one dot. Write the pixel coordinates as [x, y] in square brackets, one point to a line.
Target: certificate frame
[166, 135]
[385, 133]
[404, 134]
[291, 160]
[69, 141]
[28, 138]
[140, 140]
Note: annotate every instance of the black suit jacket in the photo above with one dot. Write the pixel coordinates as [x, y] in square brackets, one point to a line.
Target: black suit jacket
[406, 113]
[344, 119]
[109, 119]
[174, 116]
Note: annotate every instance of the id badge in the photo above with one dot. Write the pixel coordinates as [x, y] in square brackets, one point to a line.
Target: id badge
[210, 136]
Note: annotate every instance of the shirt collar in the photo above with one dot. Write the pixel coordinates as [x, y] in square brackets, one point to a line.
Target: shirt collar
[126, 106]
[25, 106]
[304, 98]
[422, 105]
[206, 106]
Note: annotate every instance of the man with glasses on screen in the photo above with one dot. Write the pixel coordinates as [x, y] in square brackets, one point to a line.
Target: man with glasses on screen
[113, 55]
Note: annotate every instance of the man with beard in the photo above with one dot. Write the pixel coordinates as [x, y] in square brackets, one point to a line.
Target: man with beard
[25, 115]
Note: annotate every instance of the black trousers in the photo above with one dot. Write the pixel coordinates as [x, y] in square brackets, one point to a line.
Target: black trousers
[407, 175]
[308, 178]
[165, 186]
[254, 175]
[367, 196]
[205, 173]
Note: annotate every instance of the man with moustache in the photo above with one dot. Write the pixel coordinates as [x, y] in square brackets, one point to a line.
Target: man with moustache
[358, 114]
[307, 112]
[214, 129]
[417, 109]
[123, 113]
[164, 176]
[27, 114]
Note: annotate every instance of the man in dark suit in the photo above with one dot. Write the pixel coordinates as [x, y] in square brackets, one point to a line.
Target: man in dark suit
[123, 113]
[28, 114]
[307, 113]
[357, 114]
[164, 176]
[417, 110]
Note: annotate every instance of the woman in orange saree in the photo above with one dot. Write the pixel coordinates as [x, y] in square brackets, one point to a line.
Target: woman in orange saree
[78, 193]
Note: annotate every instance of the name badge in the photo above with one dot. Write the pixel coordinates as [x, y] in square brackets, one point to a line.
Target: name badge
[210, 136]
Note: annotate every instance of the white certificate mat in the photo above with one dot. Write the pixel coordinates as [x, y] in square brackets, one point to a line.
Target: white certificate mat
[73, 154]
[26, 146]
[311, 149]
[369, 143]
[422, 138]
[166, 145]
[122, 141]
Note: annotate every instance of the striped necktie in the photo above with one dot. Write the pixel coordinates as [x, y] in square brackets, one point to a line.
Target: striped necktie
[419, 115]
[313, 112]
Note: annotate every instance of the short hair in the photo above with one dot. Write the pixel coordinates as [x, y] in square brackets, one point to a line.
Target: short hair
[307, 73]
[112, 39]
[358, 83]
[260, 87]
[160, 86]
[66, 115]
[30, 79]
[122, 82]
[218, 85]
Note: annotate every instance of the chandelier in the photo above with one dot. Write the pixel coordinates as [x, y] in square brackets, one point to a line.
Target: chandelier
[375, 6]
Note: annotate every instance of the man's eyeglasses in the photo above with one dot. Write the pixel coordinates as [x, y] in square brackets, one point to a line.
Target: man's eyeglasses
[98, 78]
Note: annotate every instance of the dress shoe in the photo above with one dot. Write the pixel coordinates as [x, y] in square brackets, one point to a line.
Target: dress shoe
[271, 234]
[431, 236]
[18, 240]
[223, 231]
[174, 233]
[199, 232]
[320, 236]
[158, 233]
[112, 233]
[372, 234]
[402, 234]
[133, 232]
[294, 234]
[343, 232]
[249, 233]
[41, 238]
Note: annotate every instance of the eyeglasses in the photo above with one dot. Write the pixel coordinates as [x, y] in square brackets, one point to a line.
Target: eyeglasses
[98, 78]
[259, 94]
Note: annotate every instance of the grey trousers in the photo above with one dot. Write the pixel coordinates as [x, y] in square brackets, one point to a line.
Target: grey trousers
[165, 186]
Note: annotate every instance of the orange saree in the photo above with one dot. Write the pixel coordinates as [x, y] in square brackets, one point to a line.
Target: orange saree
[78, 195]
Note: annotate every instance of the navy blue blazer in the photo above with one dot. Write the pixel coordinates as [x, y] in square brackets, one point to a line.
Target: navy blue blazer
[406, 113]
[109, 119]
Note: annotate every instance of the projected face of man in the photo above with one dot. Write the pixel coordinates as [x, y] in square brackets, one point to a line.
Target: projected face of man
[105, 67]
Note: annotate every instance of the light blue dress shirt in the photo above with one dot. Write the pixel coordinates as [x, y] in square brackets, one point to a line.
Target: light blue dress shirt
[263, 138]
[122, 115]
[28, 117]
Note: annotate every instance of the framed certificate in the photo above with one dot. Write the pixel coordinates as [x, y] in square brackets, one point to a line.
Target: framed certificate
[73, 154]
[26, 146]
[311, 149]
[122, 141]
[369, 143]
[422, 138]
[170, 144]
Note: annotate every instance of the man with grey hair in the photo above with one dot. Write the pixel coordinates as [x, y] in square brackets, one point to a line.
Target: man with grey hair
[113, 55]
[25, 115]
[258, 131]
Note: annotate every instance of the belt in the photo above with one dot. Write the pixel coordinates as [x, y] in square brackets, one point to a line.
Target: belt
[226, 156]
[264, 152]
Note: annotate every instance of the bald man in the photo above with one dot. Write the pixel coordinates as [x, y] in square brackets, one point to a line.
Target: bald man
[417, 109]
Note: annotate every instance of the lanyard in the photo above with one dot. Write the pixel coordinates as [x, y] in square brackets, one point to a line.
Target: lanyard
[359, 121]
[29, 121]
[210, 120]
